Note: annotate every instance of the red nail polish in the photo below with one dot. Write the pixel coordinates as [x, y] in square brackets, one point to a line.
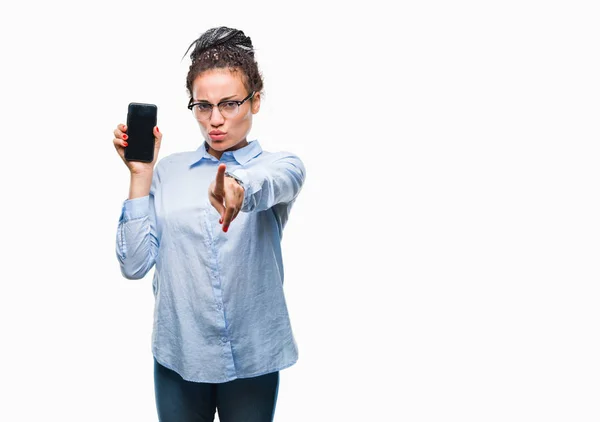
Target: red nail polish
[125, 143]
[157, 129]
[220, 221]
[225, 229]
[125, 137]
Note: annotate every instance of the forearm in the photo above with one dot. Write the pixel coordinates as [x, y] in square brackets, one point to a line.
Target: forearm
[139, 185]
[137, 245]
[278, 183]
[137, 238]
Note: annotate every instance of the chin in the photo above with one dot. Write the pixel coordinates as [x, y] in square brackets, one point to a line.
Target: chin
[221, 146]
[224, 146]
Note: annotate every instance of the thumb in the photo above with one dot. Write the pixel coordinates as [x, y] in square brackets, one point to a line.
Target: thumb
[157, 136]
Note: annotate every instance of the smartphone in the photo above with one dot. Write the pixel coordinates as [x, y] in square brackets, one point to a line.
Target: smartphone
[141, 119]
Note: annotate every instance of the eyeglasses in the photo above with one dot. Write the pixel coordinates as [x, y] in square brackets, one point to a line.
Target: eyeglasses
[228, 108]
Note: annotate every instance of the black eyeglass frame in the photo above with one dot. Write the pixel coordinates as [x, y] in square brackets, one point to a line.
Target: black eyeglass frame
[239, 103]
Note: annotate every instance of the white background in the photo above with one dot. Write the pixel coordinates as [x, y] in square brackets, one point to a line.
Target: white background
[441, 261]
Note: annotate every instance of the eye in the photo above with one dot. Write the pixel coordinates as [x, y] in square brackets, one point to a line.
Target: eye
[229, 106]
[204, 107]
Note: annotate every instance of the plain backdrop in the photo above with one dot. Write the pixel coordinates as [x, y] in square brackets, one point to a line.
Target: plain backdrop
[442, 258]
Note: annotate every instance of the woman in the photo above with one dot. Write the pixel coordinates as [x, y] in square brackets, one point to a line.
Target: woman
[211, 220]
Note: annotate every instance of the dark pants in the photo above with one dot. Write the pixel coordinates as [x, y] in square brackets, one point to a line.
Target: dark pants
[240, 400]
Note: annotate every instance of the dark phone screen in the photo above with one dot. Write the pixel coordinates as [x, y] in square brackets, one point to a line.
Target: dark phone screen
[141, 119]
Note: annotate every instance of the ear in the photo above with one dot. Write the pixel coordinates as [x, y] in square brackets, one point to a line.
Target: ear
[256, 103]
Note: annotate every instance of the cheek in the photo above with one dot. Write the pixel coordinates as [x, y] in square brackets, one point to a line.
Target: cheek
[245, 120]
[240, 124]
[203, 128]
[245, 127]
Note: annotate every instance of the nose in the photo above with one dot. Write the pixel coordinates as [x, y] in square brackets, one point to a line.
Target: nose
[216, 118]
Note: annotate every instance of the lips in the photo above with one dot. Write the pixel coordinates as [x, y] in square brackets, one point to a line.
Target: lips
[217, 135]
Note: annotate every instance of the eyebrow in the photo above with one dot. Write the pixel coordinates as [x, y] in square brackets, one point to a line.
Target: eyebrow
[222, 99]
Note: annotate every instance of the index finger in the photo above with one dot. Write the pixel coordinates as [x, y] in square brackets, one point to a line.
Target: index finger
[220, 179]
[122, 127]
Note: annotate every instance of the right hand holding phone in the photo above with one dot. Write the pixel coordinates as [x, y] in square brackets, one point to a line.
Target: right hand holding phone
[120, 142]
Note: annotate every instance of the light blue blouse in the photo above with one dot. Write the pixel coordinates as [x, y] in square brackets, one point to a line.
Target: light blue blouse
[220, 311]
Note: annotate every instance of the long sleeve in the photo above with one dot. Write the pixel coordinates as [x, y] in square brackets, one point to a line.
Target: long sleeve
[137, 240]
[278, 182]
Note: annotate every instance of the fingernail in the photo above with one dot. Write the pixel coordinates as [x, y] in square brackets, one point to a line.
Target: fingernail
[125, 143]
[220, 221]
[157, 129]
[225, 229]
[125, 136]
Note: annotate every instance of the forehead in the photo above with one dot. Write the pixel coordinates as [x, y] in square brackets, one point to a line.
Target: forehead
[215, 84]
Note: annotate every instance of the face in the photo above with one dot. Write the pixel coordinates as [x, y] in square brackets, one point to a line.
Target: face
[224, 134]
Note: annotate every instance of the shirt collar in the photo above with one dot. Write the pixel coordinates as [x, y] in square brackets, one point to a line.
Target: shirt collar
[242, 155]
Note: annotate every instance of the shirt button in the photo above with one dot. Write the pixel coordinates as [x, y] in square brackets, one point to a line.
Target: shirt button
[224, 339]
[219, 306]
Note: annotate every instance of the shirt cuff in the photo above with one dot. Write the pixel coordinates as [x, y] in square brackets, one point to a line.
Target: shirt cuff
[135, 208]
[243, 176]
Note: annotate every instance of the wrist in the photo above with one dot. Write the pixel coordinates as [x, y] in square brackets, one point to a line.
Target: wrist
[139, 185]
[141, 174]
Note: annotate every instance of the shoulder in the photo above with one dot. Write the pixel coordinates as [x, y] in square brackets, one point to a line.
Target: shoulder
[285, 161]
[268, 156]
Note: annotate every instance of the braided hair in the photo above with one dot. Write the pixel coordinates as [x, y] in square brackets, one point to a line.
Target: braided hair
[224, 48]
